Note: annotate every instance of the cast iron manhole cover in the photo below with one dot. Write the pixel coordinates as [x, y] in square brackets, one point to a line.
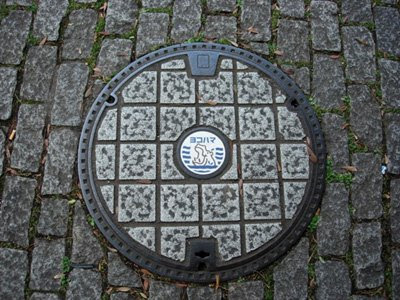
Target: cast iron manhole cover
[200, 160]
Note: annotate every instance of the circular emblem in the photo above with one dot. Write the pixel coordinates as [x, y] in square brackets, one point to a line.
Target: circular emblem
[203, 152]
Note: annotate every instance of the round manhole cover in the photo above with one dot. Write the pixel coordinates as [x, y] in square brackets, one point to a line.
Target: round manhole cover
[200, 160]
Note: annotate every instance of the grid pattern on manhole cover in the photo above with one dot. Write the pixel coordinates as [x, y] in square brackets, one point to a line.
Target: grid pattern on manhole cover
[161, 213]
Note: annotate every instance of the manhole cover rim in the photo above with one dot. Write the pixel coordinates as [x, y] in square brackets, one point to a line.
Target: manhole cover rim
[229, 271]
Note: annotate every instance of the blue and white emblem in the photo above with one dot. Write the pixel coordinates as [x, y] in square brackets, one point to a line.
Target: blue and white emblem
[202, 152]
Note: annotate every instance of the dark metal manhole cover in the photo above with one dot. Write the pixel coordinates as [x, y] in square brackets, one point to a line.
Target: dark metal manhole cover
[200, 160]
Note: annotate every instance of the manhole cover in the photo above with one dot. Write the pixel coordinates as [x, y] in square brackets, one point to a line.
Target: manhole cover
[200, 160]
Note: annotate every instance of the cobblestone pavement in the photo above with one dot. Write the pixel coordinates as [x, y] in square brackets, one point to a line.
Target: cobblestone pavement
[54, 60]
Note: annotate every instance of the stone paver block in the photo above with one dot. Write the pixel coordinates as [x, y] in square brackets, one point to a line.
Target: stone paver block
[48, 19]
[290, 276]
[186, 21]
[19, 2]
[177, 87]
[85, 283]
[121, 296]
[14, 267]
[16, 206]
[160, 291]
[156, 4]
[168, 168]
[107, 192]
[142, 88]
[387, 21]
[108, 128]
[258, 161]
[136, 203]
[256, 14]
[221, 5]
[121, 275]
[295, 161]
[46, 263]
[70, 87]
[179, 203]
[8, 82]
[221, 27]
[138, 123]
[367, 251]
[392, 130]
[203, 292]
[256, 123]
[222, 118]
[232, 172]
[253, 89]
[85, 247]
[260, 47]
[228, 237]
[219, 90]
[105, 162]
[293, 193]
[86, 1]
[121, 16]
[14, 29]
[300, 75]
[325, 26]
[144, 236]
[261, 201]
[359, 52]
[60, 161]
[390, 74]
[357, 10]
[173, 240]
[152, 32]
[53, 217]
[395, 210]
[39, 71]
[395, 274]
[114, 55]
[333, 280]
[174, 120]
[44, 296]
[292, 8]
[2, 148]
[220, 202]
[137, 161]
[289, 125]
[79, 34]
[175, 64]
[246, 290]
[293, 40]
[258, 235]
[366, 189]
[334, 226]
[328, 81]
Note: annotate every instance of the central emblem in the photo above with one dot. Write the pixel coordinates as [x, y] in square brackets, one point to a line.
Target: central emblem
[203, 152]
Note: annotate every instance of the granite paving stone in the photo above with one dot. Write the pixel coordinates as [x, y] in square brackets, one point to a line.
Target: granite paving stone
[291, 8]
[60, 160]
[228, 238]
[168, 168]
[258, 235]
[328, 81]
[14, 29]
[258, 161]
[290, 275]
[364, 297]
[219, 89]
[300, 75]
[293, 193]
[137, 161]
[392, 130]
[260, 47]
[28, 144]
[48, 19]
[46, 263]
[390, 74]
[396, 274]
[53, 218]
[359, 52]
[366, 189]
[179, 203]
[333, 280]
[232, 172]
[203, 292]
[85, 283]
[142, 88]
[221, 5]
[152, 32]
[8, 82]
[39, 71]
[256, 14]
[174, 120]
[13, 271]
[294, 161]
[290, 126]
[325, 26]
[143, 235]
[357, 10]
[365, 116]
[2, 148]
[136, 203]
[253, 88]
[177, 87]
[156, 4]
[85, 247]
[121, 296]
[138, 123]
[44, 296]
[16, 206]
[367, 251]
[19, 2]
[395, 210]
[108, 128]
[220, 202]
[121, 275]
[334, 225]
[246, 290]
[86, 1]
[256, 123]
[115, 54]
[121, 16]
[79, 34]
[261, 201]
[173, 240]
[293, 40]
[221, 27]
[161, 290]
[186, 21]
[222, 118]
[387, 22]
[389, 1]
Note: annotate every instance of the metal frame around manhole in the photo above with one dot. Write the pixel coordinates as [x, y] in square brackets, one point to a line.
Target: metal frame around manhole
[157, 264]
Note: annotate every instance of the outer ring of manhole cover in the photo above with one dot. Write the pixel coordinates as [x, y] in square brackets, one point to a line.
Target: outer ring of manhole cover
[189, 228]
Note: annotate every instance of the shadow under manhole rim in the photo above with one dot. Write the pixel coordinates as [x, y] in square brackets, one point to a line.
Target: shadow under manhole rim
[194, 162]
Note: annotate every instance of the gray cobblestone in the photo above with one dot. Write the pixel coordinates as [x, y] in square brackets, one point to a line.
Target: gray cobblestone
[137, 161]
[28, 144]
[300, 75]
[39, 71]
[85, 1]
[221, 27]
[328, 82]
[256, 14]
[121, 275]
[387, 21]
[121, 16]
[246, 290]
[395, 210]
[203, 292]
[186, 21]
[174, 120]
[19, 2]
[221, 5]
[48, 19]
[152, 32]
[53, 218]
[228, 237]
[8, 82]
[2, 148]
[357, 10]
[114, 55]
[390, 73]
[156, 4]
[143, 88]
[359, 52]
[333, 280]
[325, 26]
[138, 123]
[85, 283]
[222, 118]
[108, 128]
[396, 274]
[261, 48]
[17, 201]
[60, 162]
[293, 40]
[121, 296]
[258, 161]
[292, 8]
[79, 34]
[392, 130]
[290, 276]
[14, 29]
[160, 291]
[367, 251]
[44, 296]
[13, 271]
[46, 263]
